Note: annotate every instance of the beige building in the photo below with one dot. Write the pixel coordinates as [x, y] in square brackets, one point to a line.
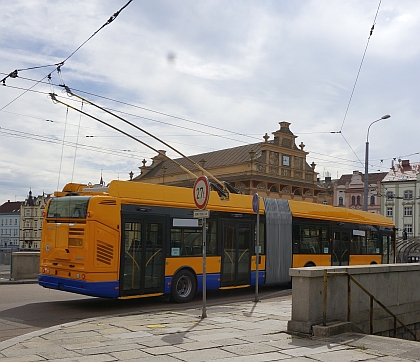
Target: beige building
[349, 191]
[31, 221]
[401, 194]
[275, 168]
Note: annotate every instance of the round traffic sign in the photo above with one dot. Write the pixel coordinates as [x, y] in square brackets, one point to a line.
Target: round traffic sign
[256, 203]
[201, 192]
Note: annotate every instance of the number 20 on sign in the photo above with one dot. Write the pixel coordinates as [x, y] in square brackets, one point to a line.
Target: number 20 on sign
[201, 192]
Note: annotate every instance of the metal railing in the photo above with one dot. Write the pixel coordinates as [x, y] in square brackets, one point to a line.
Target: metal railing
[350, 279]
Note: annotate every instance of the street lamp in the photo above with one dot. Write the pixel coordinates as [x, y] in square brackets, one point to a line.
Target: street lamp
[365, 193]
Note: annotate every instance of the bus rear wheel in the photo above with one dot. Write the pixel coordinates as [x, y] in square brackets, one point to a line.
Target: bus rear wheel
[184, 286]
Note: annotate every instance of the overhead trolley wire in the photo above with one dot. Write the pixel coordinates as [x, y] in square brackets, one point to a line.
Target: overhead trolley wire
[54, 98]
[58, 66]
[52, 140]
[154, 111]
[150, 135]
[360, 66]
[152, 119]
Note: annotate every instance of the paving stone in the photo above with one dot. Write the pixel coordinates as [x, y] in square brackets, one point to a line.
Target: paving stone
[346, 355]
[202, 355]
[272, 356]
[192, 346]
[168, 349]
[94, 358]
[27, 358]
[109, 349]
[129, 335]
[250, 349]
[132, 354]
[311, 350]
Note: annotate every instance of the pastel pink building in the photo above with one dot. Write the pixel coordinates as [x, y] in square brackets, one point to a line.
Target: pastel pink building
[349, 190]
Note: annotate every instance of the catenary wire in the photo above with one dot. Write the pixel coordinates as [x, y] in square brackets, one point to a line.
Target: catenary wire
[14, 74]
[360, 67]
[157, 112]
[55, 140]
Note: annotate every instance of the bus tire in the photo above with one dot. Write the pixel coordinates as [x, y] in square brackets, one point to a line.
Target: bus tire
[309, 264]
[184, 286]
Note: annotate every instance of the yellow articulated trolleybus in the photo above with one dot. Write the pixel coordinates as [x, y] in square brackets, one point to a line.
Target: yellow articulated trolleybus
[131, 240]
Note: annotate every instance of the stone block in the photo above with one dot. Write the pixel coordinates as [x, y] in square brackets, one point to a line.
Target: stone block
[331, 329]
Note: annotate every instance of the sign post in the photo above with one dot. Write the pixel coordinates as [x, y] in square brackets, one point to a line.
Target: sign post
[256, 209]
[201, 197]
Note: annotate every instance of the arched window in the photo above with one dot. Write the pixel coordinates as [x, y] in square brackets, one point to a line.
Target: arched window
[358, 200]
[353, 200]
[340, 201]
[372, 200]
[273, 189]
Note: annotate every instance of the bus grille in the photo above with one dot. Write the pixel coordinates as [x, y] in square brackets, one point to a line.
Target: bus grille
[76, 231]
[104, 252]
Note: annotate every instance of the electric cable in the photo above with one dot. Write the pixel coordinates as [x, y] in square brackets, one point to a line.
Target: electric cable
[51, 140]
[62, 149]
[157, 112]
[154, 120]
[77, 142]
[360, 66]
[58, 66]
[54, 98]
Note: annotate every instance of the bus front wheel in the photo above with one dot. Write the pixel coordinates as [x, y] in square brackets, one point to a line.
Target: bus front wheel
[184, 286]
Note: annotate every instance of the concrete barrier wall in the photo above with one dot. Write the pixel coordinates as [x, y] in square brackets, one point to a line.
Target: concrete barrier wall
[25, 265]
[394, 285]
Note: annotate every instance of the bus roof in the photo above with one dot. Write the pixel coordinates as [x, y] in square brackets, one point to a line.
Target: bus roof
[172, 196]
[325, 212]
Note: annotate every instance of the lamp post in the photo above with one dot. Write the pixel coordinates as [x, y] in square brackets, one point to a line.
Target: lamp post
[365, 192]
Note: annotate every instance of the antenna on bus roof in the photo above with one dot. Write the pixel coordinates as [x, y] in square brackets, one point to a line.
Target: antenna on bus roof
[223, 191]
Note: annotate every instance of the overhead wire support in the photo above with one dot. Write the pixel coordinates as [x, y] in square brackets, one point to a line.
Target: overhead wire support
[54, 99]
[148, 133]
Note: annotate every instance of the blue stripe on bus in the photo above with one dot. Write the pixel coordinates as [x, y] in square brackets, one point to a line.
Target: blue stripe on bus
[213, 281]
[261, 277]
[95, 289]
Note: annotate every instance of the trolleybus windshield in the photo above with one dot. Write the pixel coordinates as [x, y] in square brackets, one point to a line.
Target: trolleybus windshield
[69, 207]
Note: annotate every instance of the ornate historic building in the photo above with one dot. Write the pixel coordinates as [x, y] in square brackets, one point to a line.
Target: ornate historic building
[349, 191]
[31, 221]
[275, 168]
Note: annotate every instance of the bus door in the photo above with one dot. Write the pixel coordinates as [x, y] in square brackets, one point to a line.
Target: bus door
[387, 248]
[142, 256]
[236, 253]
[340, 248]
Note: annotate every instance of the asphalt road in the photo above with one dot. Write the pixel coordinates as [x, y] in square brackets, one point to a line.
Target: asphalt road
[26, 308]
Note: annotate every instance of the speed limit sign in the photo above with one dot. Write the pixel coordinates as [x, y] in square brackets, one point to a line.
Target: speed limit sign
[201, 192]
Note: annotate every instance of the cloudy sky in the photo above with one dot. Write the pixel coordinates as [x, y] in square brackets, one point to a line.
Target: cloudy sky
[202, 76]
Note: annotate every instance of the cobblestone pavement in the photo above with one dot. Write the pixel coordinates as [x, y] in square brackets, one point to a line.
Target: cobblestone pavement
[245, 331]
